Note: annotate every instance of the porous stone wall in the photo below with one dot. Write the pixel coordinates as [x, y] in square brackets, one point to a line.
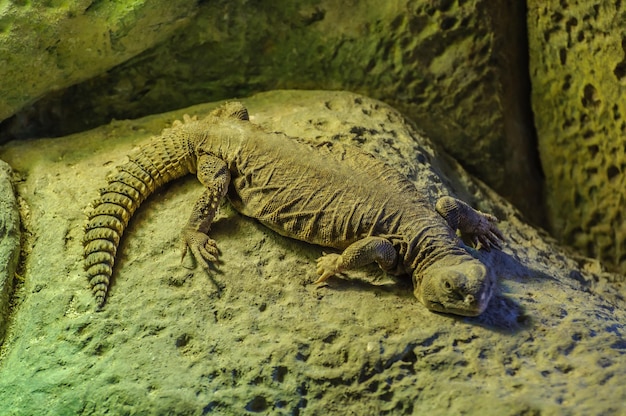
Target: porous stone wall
[578, 72]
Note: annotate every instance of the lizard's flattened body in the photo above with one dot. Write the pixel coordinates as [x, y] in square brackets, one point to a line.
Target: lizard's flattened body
[330, 195]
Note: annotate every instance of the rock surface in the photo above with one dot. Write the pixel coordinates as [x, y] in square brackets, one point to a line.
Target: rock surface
[578, 71]
[9, 243]
[47, 46]
[450, 66]
[257, 336]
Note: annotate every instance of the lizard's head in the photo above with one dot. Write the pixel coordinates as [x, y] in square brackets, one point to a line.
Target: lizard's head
[460, 285]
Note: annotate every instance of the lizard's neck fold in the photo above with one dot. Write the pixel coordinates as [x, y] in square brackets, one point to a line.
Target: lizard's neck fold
[430, 245]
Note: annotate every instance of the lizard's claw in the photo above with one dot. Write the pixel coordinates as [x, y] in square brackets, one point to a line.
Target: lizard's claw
[328, 265]
[203, 248]
[485, 233]
[186, 119]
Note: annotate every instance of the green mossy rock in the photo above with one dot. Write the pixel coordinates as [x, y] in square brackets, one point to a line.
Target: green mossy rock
[47, 46]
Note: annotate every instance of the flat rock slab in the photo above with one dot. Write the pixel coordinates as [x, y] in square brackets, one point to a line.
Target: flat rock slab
[256, 336]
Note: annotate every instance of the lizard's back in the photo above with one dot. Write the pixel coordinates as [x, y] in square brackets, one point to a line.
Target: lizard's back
[328, 194]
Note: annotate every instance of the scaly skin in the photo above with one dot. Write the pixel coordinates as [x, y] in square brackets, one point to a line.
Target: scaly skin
[330, 195]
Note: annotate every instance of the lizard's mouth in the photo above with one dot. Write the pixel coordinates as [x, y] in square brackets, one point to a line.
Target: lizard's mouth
[470, 306]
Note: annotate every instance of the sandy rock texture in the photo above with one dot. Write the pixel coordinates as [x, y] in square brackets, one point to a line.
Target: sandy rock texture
[452, 66]
[578, 71]
[47, 46]
[256, 336]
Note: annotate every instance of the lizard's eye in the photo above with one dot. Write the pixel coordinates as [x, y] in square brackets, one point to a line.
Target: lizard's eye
[447, 285]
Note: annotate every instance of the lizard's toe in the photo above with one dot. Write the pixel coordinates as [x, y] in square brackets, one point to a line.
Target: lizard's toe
[323, 277]
[327, 266]
[483, 242]
[205, 254]
[203, 248]
[487, 235]
[494, 239]
[493, 232]
[498, 236]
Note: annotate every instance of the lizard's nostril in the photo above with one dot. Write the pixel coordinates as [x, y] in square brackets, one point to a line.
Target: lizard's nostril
[469, 299]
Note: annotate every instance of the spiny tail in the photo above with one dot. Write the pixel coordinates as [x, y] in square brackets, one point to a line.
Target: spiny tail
[154, 164]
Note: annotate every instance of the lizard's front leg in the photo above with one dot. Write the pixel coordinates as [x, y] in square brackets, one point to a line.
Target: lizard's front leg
[478, 226]
[214, 174]
[360, 253]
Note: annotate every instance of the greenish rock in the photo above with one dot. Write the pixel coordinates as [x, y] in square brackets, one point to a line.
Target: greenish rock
[48, 46]
[578, 70]
[9, 243]
[452, 67]
[257, 336]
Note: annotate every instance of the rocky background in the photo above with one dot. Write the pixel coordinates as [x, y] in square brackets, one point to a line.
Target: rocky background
[446, 64]
[578, 70]
[527, 96]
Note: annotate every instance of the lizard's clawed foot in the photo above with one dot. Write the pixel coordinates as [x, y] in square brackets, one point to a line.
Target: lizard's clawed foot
[328, 265]
[186, 119]
[203, 248]
[485, 233]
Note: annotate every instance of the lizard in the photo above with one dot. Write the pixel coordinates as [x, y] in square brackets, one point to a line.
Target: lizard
[332, 195]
